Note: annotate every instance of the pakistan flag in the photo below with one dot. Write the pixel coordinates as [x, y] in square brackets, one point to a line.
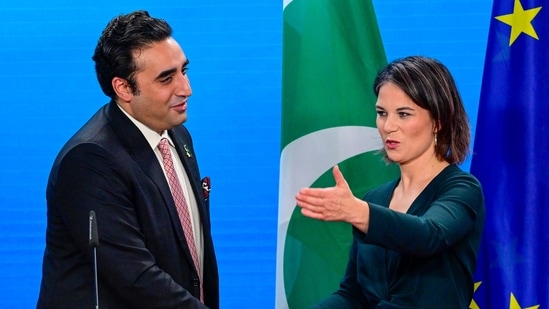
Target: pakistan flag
[332, 53]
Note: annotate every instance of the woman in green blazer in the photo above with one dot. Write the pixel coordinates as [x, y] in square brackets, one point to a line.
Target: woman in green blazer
[416, 238]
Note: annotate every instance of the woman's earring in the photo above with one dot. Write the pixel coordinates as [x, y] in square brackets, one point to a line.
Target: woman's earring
[435, 139]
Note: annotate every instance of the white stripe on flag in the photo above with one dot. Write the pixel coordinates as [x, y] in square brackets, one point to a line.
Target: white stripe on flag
[301, 163]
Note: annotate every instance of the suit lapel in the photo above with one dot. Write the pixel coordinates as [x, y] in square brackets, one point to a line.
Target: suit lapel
[140, 150]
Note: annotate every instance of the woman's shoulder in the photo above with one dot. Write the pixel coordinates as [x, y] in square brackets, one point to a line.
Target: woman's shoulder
[454, 173]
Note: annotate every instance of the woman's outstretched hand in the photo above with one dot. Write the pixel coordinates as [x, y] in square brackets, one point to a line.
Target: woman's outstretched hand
[335, 203]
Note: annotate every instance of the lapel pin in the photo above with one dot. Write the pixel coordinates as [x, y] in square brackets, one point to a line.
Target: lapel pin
[187, 151]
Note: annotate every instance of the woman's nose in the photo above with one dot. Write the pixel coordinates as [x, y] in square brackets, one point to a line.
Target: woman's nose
[390, 124]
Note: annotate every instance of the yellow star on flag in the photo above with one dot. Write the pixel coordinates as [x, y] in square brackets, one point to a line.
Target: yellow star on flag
[473, 304]
[513, 304]
[520, 21]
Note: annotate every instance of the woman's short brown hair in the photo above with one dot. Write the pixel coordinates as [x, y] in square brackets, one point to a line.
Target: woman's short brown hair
[431, 86]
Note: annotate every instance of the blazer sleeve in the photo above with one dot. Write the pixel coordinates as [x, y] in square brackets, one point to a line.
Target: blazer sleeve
[453, 211]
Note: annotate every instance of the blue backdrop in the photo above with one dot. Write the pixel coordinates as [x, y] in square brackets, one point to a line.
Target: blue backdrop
[48, 90]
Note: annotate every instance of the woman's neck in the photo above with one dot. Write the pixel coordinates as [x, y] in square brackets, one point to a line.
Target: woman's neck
[415, 177]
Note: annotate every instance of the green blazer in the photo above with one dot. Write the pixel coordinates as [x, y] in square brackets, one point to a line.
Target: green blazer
[422, 259]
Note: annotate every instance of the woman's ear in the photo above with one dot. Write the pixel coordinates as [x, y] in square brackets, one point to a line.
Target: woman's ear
[122, 89]
[436, 127]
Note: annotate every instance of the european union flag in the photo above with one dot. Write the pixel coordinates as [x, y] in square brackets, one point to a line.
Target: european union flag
[511, 158]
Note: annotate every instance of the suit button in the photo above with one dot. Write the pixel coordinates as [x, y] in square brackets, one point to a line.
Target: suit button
[196, 282]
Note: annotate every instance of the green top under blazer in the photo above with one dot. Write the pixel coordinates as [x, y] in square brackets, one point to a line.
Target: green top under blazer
[422, 259]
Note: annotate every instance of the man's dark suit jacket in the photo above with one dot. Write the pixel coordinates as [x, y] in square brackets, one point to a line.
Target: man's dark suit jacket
[143, 259]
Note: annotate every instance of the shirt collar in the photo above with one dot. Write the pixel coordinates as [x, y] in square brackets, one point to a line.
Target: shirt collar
[150, 135]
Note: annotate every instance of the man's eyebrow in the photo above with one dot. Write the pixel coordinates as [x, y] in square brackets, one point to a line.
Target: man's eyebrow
[166, 73]
[169, 72]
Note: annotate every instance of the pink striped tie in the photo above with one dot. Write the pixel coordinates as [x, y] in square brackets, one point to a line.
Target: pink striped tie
[180, 203]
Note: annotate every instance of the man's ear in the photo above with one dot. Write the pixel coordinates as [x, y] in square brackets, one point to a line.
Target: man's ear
[122, 89]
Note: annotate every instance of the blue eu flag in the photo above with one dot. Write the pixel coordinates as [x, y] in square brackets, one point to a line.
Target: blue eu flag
[511, 158]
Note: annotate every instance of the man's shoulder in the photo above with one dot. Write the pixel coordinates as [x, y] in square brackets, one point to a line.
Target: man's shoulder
[96, 131]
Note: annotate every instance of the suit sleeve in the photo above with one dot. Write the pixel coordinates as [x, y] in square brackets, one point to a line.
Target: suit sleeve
[91, 178]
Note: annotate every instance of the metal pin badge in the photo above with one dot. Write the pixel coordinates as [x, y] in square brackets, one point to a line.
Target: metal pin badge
[187, 151]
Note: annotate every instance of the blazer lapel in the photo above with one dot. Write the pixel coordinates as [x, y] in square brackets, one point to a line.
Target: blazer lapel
[139, 149]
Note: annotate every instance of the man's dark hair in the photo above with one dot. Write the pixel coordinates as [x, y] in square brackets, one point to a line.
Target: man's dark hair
[124, 36]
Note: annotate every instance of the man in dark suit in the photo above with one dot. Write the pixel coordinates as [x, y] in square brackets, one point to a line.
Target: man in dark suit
[113, 166]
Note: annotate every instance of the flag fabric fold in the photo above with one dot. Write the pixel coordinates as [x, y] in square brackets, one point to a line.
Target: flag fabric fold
[332, 51]
[511, 158]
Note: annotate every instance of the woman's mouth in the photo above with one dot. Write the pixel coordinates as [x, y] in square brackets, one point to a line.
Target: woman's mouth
[391, 144]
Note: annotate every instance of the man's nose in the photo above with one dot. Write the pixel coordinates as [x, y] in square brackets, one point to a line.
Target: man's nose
[184, 86]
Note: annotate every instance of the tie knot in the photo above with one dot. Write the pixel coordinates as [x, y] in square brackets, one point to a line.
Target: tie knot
[164, 145]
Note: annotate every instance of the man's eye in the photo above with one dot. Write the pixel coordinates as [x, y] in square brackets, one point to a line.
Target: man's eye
[166, 80]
